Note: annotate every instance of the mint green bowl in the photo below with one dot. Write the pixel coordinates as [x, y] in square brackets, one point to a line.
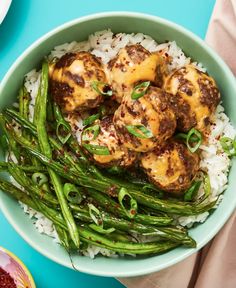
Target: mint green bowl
[160, 30]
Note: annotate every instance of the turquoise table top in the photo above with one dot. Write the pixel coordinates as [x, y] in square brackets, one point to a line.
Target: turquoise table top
[28, 20]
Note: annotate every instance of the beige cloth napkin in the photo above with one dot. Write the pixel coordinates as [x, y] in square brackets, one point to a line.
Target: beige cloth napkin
[215, 265]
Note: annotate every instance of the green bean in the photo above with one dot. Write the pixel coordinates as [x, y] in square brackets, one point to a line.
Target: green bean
[113, 207]
[26, 182]
[63, 236]
[25, 168]
[17, 193]
[12, 143]
[24, 100]
[53, 215]
[40, 123]
[86, 234]
[25, 198]
[50, 114]
[67, 157]
[124, 247]
[59, 168]
[178, 208]
[172, 233]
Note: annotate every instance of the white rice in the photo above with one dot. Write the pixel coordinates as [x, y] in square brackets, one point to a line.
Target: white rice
[106, 45]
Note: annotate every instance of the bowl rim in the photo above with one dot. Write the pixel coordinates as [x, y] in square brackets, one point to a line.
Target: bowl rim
[13, 256]
[193, 37]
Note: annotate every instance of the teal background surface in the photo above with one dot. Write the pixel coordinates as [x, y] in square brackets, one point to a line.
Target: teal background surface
[26, 21]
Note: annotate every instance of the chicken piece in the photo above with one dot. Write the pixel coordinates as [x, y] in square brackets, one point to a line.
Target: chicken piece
[172, 167]
[106, 138]
[134, 64]
[71, 80]
[150, 116]
[197, 97]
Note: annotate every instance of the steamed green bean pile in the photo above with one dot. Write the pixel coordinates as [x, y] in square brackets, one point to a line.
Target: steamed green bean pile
[85, 204]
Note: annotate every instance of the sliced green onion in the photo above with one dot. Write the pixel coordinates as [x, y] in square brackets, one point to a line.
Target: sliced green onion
[192, 134]
[63, 131]
[39, 178]
[140, 90]
[97, 149]
[102, 88]
[72, 193]
[192, 191]
[95, 215]
[228, 145]
[132, 210]
[136, 129]
[184, 136]
[94, 130]
[101, 230]
[207, 185]
[89, 120]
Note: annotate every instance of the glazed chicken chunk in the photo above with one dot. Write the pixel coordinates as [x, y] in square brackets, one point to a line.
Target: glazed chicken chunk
[134, 64]
[171, 167]
[146, 122]
[71, 81]
[197, 97]
[110, 152]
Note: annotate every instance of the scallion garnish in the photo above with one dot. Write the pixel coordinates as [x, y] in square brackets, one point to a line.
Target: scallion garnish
[95, 215]
[63, 129]
[96, 149]
[72, 193]
[91, 133]
[63, 132]
[133, 206]
[89, 120]
[193, 136]
[228, 145]
[39, 178]
[139, 131]
[102, 88]
[101, 230]
[140, 90]
[192, 191]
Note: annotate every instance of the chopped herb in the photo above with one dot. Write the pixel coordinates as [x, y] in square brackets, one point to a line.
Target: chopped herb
[139, 131]
[140, 90]
[102, 88]
[97, 149]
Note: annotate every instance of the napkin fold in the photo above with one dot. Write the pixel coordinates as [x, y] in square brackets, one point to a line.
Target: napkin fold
[215, 265]
[221, 34]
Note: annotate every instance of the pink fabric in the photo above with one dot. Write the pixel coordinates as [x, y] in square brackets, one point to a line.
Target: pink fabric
[221, 33]
[215, 265]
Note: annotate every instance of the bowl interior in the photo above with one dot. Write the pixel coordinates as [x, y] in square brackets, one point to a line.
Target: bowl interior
[160, 30]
